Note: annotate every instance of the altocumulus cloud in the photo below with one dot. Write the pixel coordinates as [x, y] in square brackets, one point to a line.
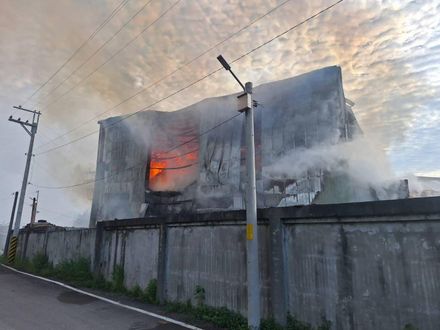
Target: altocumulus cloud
[388, 51]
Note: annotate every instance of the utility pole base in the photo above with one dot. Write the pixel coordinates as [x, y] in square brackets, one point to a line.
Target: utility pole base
[12, 250]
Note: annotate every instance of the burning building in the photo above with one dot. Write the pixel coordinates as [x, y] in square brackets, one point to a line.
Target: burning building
[193, 159]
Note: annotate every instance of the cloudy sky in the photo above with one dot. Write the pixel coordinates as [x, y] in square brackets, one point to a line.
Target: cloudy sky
[389, 52]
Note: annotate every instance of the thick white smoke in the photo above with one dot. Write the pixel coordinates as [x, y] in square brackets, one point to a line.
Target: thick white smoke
[360, 159]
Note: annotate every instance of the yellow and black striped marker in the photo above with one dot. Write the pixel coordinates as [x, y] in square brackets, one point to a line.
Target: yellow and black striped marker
[12, 250]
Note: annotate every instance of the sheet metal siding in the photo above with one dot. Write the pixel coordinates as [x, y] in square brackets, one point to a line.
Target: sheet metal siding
[299, 112]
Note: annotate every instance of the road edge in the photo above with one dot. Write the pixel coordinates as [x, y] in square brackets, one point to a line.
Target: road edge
[113, 302]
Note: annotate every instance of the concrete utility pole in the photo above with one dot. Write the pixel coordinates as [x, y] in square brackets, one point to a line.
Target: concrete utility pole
[11, 221]
[32, 132]
[253, 270]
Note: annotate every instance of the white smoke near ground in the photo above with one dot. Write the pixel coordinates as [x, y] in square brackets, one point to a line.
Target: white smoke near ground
[82, 220]
[360, 159]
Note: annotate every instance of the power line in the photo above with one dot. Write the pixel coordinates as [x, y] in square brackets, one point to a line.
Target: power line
[114, 55]
[130, 115]
[99, 28]
[114, 35]
[140, 164]
[168, 75]
[194, 82]
[290, 29]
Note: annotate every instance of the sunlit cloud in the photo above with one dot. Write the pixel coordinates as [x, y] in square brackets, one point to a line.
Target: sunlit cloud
[388, 51]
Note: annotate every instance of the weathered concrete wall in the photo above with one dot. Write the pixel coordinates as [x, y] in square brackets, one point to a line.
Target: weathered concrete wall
[371, 265]
[365, 265]
[70, 245]
[213, 257]
[141, 252]
[365, 275]
[58, 245]
[3, 234]
[31, 244]
[134, 250]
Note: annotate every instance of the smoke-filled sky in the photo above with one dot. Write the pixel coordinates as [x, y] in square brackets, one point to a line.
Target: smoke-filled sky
[389, 53]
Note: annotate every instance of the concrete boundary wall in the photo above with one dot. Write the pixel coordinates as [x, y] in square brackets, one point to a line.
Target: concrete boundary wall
[58, 245]
[136, 250]
[372, 265]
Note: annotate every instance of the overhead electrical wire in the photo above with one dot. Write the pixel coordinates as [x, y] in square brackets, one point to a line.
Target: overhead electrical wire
[178, 91]
[114, 35]
[290, 29]
[193, 83]
[99, 28]
[140, 164]
[130, 115]
[167, 75]
[114, 55]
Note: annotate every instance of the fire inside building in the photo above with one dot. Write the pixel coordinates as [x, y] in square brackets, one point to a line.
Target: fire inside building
[193, 159]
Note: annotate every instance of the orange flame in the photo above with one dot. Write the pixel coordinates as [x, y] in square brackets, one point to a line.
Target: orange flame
[172, 170]
[156, 167]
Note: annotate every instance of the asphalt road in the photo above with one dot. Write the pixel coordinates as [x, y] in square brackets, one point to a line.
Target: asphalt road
[29, 303]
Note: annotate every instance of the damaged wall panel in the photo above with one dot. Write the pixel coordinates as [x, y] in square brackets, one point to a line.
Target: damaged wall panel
[160, 162]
